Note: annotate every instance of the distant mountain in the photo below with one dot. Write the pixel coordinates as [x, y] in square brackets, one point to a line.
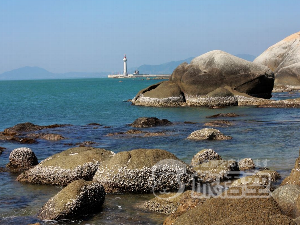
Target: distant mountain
[165, 68]
[246, 57]
[36, 73]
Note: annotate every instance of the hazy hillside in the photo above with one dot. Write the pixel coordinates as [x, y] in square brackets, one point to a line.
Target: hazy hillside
[165, 68]
[34, 73]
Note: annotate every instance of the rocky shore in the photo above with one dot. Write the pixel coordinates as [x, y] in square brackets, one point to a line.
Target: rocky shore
[192, 191]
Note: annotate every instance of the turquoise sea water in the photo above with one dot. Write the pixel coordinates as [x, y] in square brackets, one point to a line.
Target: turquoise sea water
[268, 135]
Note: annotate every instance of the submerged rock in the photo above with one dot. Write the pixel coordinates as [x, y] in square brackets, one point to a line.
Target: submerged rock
[204, 156]
[78, 199]
[144, 122]
[208, 134]
[21, 159]
[212, 79]
[67, 166]
[142, 171]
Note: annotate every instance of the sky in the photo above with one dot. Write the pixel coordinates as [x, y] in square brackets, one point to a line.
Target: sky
[93, 35]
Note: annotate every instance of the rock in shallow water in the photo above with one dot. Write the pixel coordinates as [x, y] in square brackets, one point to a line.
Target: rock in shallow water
[144, 122]
[67, 166]
[208, 134]
[77, 199]
[22, 159]
[204, 156]
[143, 171]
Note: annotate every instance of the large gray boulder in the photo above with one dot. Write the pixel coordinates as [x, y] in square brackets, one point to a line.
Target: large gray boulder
[142, 171]
[283, 58]
[67, 166]
[77, 199]
[212, 79]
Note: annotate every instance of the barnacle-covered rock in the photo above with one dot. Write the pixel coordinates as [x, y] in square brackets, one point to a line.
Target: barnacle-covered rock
[204, 156]
[142, 171]
[208, 134]
[78, 199]
[67, 166]
[22, 159]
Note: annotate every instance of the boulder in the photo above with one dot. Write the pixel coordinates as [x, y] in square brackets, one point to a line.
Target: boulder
[216, 170]
[204, 156]
[21, 159]
[294, 177]
[208, 134]
[283, 58]
[76, 200]
[224, 210]
[169, 203]
[212, 79]
[188, 200]
[287, 198]
[246, 164]
[142, 171]
[67, 166]
[144, 122]
[272, 174]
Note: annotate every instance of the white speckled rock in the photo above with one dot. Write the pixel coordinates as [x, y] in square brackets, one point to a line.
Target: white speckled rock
[67, 166]
[143, 171]
[246, 164]
[208, 134]
[22, 159]
[77, 199]
[204, 156]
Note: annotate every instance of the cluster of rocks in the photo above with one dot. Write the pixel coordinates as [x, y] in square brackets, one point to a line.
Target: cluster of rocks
[212, 79]
[137, 133]
[144, 122]
[247, 200]
[27, 133]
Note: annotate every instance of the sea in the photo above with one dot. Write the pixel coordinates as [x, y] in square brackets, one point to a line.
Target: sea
[270, 136]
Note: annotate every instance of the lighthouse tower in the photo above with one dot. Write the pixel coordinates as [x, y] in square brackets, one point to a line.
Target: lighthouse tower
[125, 66]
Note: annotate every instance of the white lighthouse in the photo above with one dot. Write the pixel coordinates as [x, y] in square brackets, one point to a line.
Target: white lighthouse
[125, 66]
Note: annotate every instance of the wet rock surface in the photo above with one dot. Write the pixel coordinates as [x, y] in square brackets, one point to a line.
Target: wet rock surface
[219, 123]
[26, 133]
[208, 134]
[143, 171]
[144, 122]
[67, 166]
[76, 200]
[21, 159]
